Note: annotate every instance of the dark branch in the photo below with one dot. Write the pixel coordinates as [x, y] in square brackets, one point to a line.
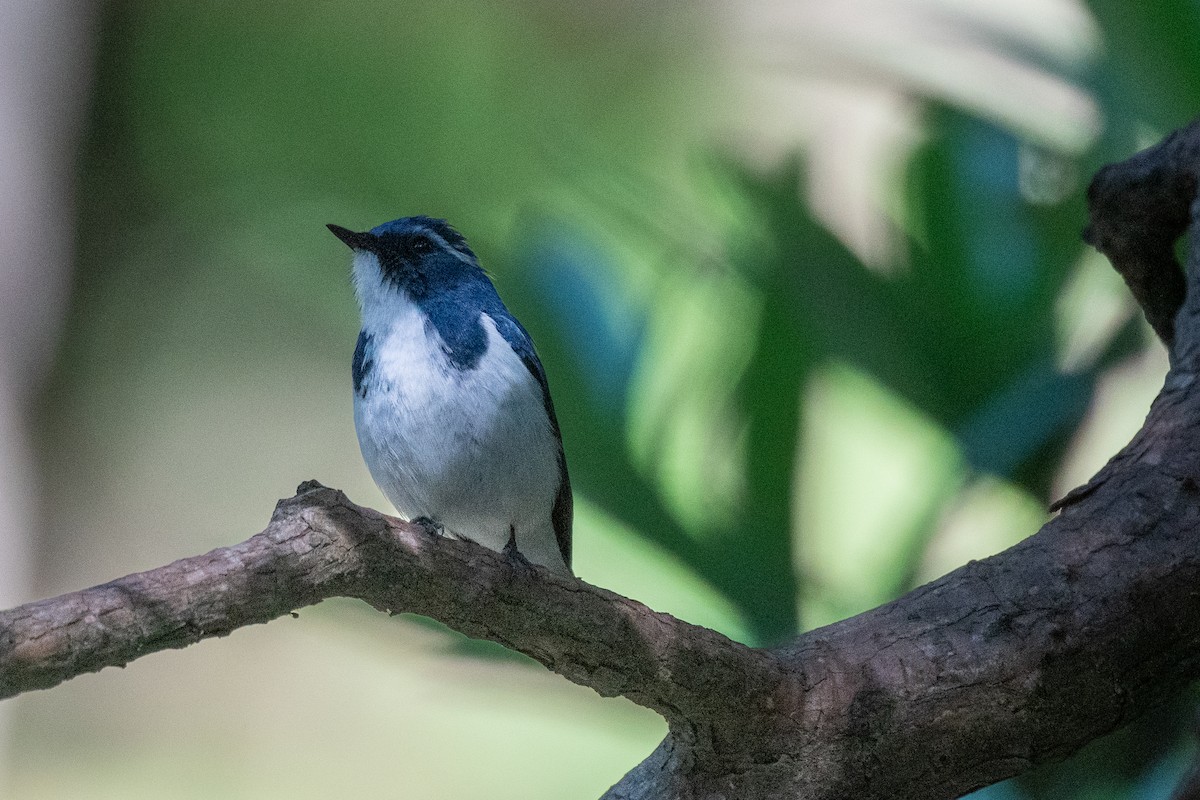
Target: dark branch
[1139, 208]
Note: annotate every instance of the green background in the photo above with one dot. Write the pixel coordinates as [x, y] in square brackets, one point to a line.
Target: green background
[808, 284]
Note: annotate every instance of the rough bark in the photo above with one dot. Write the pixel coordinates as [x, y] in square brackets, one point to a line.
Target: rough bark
[1003, 664]
[1139, 208]
[318, 545]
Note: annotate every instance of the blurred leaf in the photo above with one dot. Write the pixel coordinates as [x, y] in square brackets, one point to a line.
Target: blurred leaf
[1154, 60]
[1014, 424]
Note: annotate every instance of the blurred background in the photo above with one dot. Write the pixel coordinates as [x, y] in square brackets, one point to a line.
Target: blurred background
[807, 279]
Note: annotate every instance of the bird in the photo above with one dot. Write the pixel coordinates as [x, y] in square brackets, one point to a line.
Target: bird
[451, 404]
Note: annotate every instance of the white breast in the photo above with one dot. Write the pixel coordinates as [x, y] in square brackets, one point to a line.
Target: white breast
[471, 449]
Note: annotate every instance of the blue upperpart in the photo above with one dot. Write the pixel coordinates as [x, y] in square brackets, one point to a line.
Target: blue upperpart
[410, 226]
[518, 339]
[454, 314]
[448, 285]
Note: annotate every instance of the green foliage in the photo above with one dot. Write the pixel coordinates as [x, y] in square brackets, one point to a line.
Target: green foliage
[702, 328]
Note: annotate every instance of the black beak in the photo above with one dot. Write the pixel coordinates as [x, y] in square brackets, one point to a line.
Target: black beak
[355, 241]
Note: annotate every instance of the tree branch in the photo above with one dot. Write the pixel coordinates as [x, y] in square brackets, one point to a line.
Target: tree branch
[1003, 664]
[1139, 208]
[320, 545]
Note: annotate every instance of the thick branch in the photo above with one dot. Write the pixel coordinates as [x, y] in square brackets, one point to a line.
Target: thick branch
[998, 666]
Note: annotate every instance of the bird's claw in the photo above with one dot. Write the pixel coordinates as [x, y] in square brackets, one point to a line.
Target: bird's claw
[511, 551]
[430, 526]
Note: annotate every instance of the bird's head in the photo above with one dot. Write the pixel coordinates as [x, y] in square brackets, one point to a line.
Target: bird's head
[418, 256]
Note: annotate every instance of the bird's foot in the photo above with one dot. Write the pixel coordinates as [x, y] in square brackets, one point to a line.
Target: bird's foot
[431, 526]
[510, 550]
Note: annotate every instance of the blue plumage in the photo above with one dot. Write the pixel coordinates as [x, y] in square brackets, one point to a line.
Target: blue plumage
[452, 407]
[360, 367]
[518, 339]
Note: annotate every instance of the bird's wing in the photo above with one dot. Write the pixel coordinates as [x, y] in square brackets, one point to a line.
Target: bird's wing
[518, 339]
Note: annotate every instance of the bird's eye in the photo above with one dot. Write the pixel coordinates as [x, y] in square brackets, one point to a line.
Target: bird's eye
[421, 245]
